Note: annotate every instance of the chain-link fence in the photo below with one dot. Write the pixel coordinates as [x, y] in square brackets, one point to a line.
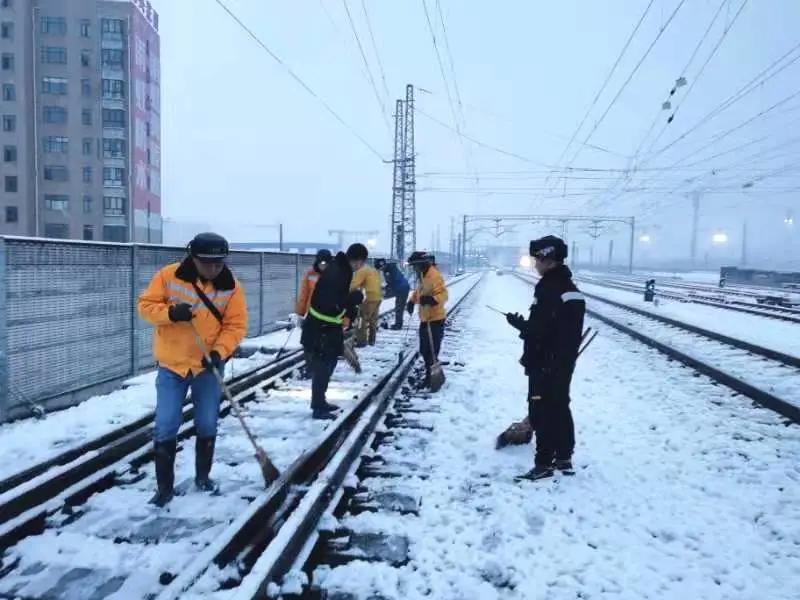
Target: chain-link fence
[68, 320]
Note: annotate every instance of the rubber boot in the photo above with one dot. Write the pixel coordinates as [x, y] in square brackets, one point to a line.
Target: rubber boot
[203, 457]
[164, 457]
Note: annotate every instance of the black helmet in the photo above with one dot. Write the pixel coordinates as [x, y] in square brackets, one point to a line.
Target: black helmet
[549, 246]
[209, 247]
[380, 263]
[323, 256]
[421, 257]
[357, 252]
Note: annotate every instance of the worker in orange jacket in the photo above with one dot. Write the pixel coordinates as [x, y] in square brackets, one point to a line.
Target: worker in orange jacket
[431, 295]
[309, 282]
[367, 279]
[197, 297]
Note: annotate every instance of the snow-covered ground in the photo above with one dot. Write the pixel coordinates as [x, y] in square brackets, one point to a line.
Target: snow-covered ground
[683, 490]
[763, 331]
[119, 545]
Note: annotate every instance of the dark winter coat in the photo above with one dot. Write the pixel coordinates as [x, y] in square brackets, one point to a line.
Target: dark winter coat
[396, 282]
[552, 334]
[331, 298]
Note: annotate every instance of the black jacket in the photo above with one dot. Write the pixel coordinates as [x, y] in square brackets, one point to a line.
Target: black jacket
[331, 298]
[553, 332]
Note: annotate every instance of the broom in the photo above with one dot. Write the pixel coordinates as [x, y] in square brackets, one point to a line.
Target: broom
[268, 470]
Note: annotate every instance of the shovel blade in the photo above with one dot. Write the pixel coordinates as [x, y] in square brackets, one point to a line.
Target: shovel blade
[437, 377]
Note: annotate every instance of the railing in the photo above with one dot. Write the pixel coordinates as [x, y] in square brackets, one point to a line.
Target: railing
[69, 327]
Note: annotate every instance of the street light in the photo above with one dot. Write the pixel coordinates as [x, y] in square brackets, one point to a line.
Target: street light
[720, 238]
[372, 243]
[525, 261]
[789, 219]
[644, 238]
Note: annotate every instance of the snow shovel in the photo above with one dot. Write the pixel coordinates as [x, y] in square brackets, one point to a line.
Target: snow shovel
[516, 434]
[268, 470]
[437, 373]
[351, 357]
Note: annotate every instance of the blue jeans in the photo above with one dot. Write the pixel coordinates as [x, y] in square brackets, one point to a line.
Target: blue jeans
[171, 391]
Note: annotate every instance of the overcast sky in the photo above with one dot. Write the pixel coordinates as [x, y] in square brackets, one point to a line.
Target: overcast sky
[244, 143]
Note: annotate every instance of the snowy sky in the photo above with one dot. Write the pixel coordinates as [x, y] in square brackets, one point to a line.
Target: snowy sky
[244, 144]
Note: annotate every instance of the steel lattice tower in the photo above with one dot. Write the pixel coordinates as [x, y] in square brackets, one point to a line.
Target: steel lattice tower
[398, 179]
[410, 179]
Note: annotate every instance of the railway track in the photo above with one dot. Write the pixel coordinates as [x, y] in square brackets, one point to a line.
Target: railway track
[772, 312]
[65, 505]
[768, 377]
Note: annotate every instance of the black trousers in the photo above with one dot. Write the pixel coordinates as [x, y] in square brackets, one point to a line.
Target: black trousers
[322, 367]
[437, 333]
[400, 301]
[551, 417]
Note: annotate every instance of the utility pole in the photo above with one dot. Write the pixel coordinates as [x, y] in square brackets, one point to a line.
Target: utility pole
[574, 254]
[280, 237]
[610, 251]
[591, 255]
[632, 242]
[464, 242]
[695, 220]
[398, 178]
[410, 178]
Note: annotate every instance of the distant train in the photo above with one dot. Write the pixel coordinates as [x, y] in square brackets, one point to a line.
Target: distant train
[779, 279]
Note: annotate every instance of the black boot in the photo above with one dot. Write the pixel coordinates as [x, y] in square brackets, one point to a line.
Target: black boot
[537, 472]
[203, 457]
[164, 453]
[564, 465]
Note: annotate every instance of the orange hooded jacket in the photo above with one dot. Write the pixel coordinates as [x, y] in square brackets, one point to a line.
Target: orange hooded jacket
[174, 344]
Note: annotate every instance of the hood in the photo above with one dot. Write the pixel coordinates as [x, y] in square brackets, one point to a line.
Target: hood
[188, 272]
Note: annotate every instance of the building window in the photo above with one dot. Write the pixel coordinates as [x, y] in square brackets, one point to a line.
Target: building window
[54, 25]
[113, 117]
[88, 232]
[114, 206]
[10, 154]
[11, 183]
[54, 85]
[114, 88]
[87, 205]
[7, 30]
[149, 157]
[113, 148]
[55, 114]
[55, 55]
[147, 128]
[12, 214]
[9, 123]
[56, 144]
[86, 88]
[87, 146]
[56, 202]
[56, 230]
[87, 174]
[6, 4]
[9, 92]
[7, 61]
[86, 58]
[56, 173]
[113, 176]
[113, 59]
[85, 27]
[86, 116]
[112, 27]
[115, 233]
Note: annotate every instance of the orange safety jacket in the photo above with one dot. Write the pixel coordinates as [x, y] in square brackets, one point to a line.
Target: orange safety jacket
[431, 284]
[307, 286]
[174, 344]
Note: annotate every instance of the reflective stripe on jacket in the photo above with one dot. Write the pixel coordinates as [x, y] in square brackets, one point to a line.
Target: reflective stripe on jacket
[368, 279]
[174, 344]
[307, 286]
[431, 284]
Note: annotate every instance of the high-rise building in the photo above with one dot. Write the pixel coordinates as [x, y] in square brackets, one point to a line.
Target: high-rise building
[80, 120]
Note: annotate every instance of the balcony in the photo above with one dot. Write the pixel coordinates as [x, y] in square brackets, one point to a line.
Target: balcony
[114, 103]
[116, 133]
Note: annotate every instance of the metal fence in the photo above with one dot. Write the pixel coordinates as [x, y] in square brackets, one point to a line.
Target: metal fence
[69, 327]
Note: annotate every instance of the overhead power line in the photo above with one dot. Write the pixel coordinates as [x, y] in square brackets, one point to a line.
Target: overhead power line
[605, 84]
[381, 103]
[375, 49]
[299, 81]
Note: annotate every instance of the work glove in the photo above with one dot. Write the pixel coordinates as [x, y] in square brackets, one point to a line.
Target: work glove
[214, 360]
[410, 308]
[516, 320]
[428, 301]
[180, 313]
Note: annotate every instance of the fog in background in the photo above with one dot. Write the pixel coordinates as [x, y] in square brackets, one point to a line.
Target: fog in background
[246, 147]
